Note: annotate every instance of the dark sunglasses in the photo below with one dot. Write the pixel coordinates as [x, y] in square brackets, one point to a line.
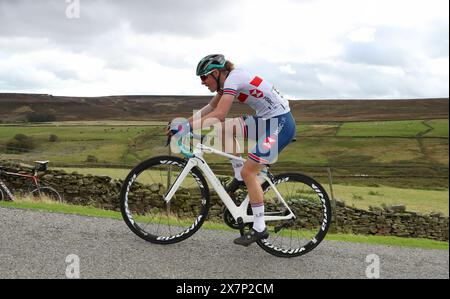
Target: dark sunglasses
[205, 76]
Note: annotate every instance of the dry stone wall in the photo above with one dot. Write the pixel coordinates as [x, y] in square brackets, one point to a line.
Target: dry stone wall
[103, 192]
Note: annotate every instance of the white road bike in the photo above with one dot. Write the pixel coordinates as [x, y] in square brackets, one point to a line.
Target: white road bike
[166, 199]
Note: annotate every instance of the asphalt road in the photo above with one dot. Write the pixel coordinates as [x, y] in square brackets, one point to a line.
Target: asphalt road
[41, 245]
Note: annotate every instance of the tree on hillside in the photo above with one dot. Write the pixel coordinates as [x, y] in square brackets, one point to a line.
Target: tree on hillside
[36, 117]
[21, 143]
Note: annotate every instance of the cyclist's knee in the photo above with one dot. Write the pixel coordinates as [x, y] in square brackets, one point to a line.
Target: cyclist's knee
[250, 170]
[248, 175]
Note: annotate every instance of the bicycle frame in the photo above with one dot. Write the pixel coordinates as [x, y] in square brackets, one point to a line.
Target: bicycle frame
[196, 160]
[24, 175]
[34, 178]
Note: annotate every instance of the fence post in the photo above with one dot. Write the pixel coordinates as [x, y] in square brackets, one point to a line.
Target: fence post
[333, 200]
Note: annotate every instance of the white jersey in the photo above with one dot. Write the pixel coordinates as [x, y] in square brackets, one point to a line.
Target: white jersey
[259, 94]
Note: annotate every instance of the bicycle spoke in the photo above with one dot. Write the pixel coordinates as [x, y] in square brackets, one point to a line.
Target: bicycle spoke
[302, 233]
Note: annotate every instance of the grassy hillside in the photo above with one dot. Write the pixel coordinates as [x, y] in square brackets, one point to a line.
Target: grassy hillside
[380, 143]
[411, 152]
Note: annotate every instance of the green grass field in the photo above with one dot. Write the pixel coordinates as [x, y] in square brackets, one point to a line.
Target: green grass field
[415, 200]
[307, 130]
[404, 128]
[131, 142]
[353, 151]
[109, 144]
[440, 128]
[95, 212]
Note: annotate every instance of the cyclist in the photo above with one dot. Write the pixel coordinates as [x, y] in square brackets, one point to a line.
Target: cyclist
[273, 127]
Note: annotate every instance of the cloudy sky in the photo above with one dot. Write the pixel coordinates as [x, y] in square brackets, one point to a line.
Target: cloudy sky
[310, 49]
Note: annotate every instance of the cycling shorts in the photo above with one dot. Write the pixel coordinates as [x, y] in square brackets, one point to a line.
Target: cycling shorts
[272, 136]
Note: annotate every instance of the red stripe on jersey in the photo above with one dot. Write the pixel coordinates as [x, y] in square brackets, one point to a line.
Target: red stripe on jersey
[256, 81]
[229, 91]
[242, 97]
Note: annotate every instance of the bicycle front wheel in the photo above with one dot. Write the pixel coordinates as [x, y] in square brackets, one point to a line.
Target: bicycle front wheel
[311, 206]
[146, 212]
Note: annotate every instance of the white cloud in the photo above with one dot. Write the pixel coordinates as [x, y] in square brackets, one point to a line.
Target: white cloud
[363, 35]
[287, 68]
[309, 48]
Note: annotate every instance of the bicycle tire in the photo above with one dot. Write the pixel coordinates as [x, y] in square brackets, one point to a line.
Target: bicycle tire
[306, 199]
[46, 192]
[144, 208]
[2, 196]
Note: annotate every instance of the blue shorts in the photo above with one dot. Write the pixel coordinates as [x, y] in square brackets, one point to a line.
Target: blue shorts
[272, 136]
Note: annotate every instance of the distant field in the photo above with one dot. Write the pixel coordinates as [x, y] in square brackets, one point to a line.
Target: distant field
[320, 129]
[440, 128]
[423, 201]
[73, 133]
[405, 128]
[133, 143]
[109, 144]
[335, 151]
[362, 144]
[103, 123]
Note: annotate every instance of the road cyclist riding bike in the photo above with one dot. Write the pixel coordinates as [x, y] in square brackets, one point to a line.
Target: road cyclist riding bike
[166, 199]
[273, 127]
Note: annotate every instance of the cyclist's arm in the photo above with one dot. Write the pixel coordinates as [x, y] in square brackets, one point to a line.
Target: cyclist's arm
[206, 109]
[215, 100]
[218, 114]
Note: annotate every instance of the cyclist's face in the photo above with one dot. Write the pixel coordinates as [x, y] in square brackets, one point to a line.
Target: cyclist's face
[209, 81]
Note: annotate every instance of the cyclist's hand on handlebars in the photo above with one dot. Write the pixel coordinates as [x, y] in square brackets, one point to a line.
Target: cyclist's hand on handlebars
[180, 128]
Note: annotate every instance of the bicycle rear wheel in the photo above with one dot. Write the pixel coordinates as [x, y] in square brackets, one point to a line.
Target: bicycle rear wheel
[311, 206]
[46, 193]
[146, 212]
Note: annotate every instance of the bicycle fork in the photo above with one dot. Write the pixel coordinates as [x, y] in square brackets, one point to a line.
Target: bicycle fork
[178, 181]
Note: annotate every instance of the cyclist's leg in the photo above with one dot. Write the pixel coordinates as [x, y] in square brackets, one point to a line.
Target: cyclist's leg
[232, 130]
[273, 136]
[249, 174]
[255, 192]
[252, 168]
